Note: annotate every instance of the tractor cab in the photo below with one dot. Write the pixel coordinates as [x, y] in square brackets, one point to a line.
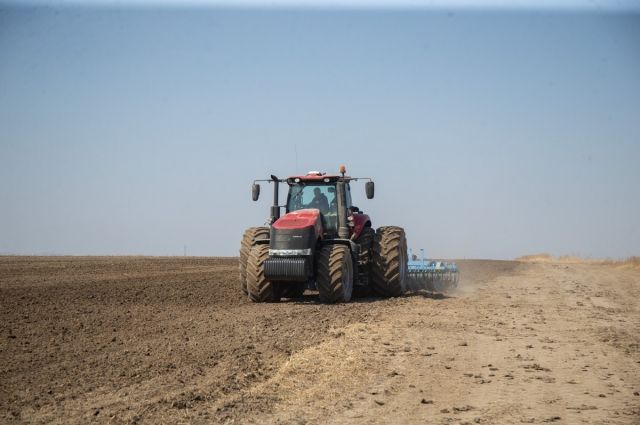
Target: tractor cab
[318, 191]
[316, 194]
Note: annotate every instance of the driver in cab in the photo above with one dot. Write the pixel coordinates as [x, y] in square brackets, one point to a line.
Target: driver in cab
[319, 201]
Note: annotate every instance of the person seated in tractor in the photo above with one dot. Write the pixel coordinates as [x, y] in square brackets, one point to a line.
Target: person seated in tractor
[319, 201]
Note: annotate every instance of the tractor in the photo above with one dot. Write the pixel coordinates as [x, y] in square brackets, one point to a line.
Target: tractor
[323, 242]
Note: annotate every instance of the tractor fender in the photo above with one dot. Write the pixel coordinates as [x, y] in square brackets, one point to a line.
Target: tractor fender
[360, 221]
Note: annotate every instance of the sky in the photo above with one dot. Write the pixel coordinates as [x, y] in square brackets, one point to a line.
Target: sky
[138, 127]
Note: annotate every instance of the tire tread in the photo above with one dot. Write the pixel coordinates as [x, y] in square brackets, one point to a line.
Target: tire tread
[329, 279]
[388, 257]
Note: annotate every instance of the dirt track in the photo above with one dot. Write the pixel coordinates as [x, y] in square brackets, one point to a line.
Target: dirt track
[169, 340]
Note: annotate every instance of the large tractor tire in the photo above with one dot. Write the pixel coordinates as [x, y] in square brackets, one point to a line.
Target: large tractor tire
[259, 288]
[389, 268]
[251, 235]
[335, 274]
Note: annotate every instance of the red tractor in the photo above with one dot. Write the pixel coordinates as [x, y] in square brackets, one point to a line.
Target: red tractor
[322, 241]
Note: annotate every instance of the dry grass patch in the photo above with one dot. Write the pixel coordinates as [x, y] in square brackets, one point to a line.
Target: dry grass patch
[548, 258]
[536, 258]
[630, 262]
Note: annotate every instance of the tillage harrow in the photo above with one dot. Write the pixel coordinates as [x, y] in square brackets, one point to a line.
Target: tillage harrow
[437, 276]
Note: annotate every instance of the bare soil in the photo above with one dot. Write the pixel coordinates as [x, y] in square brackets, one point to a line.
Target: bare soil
[171, 340]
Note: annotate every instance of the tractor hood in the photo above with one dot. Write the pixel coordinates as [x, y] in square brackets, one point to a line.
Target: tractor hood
[300, 219]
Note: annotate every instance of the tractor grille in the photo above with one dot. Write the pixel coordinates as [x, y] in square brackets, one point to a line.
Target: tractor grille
[296, 268]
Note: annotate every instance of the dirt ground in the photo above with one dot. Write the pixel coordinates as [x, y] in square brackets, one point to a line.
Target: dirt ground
[170, 340]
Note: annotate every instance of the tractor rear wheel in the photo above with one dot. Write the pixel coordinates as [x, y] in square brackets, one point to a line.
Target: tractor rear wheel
[389, 269]
[250, 236]
[260, 289]
[335, 274]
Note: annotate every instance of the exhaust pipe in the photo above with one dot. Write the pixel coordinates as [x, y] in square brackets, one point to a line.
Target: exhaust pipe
[343, 229]
[275, 209]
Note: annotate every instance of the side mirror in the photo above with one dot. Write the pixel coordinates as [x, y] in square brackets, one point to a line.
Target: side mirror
[369, 188]
[255, 191]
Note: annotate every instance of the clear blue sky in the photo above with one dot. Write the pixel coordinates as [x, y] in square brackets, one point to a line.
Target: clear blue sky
[490, 134]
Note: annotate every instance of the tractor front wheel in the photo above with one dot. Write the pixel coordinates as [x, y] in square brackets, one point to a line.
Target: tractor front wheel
[250, 236]
[260, 289]
[335, 274]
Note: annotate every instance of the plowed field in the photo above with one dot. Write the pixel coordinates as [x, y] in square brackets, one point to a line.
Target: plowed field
[171, 340]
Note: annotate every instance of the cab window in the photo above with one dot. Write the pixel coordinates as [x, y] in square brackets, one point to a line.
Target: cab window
[321, 197]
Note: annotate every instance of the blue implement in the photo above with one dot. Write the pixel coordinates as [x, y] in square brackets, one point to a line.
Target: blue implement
[437, 276]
